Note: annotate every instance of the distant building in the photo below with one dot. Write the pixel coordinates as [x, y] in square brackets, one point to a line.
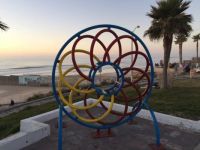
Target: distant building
[34, 80]
[29, 80]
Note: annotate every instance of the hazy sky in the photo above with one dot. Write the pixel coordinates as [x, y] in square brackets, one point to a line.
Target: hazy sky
[38, 28]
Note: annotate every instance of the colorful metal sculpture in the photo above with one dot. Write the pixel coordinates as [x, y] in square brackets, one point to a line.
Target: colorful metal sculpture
[114, 91]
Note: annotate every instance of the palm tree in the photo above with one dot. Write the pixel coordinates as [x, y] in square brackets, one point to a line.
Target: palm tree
[179, 40]
[169, 19]
[196, 39]
[3, 26]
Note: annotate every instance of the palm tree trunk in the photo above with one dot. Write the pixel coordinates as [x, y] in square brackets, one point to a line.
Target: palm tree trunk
[197, 50]
[167, 45]
[180, 53]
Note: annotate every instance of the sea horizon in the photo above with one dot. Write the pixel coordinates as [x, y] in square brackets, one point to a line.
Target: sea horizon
[43, 67]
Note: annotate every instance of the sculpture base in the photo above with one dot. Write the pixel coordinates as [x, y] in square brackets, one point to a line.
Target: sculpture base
[103, 134]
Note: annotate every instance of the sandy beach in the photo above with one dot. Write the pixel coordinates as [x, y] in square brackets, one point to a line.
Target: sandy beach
[19, 93]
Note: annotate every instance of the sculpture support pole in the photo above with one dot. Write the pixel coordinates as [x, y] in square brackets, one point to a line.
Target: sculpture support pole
[60, 128]
[155, 124]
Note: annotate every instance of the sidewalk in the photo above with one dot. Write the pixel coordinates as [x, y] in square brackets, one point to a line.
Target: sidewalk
[127, 137]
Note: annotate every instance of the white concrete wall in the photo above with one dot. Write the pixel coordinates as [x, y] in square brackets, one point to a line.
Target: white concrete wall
[32, 130]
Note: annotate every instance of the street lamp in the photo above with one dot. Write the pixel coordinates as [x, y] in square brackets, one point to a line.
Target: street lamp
[136, 28]
[132, 50]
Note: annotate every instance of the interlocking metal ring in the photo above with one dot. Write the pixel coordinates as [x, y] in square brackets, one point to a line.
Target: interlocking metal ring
[115, 92]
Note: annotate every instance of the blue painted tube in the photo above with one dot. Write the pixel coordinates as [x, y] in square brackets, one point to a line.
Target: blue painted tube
[60, 126]
[119, 73]
[155, 124]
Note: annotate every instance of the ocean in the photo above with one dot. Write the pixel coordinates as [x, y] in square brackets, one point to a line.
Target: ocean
[44, 66]
[21, 66]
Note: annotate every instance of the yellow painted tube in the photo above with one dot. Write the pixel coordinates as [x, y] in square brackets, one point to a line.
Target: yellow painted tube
[70, 102]
[61, 75]
[75, 108]
[83, 107]
[62, 80]
[73, 88]
[98, 118]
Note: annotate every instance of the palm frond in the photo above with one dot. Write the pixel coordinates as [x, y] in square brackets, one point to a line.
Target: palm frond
[3, 26]
[180, 38]
[169, 18]
[196, 37]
